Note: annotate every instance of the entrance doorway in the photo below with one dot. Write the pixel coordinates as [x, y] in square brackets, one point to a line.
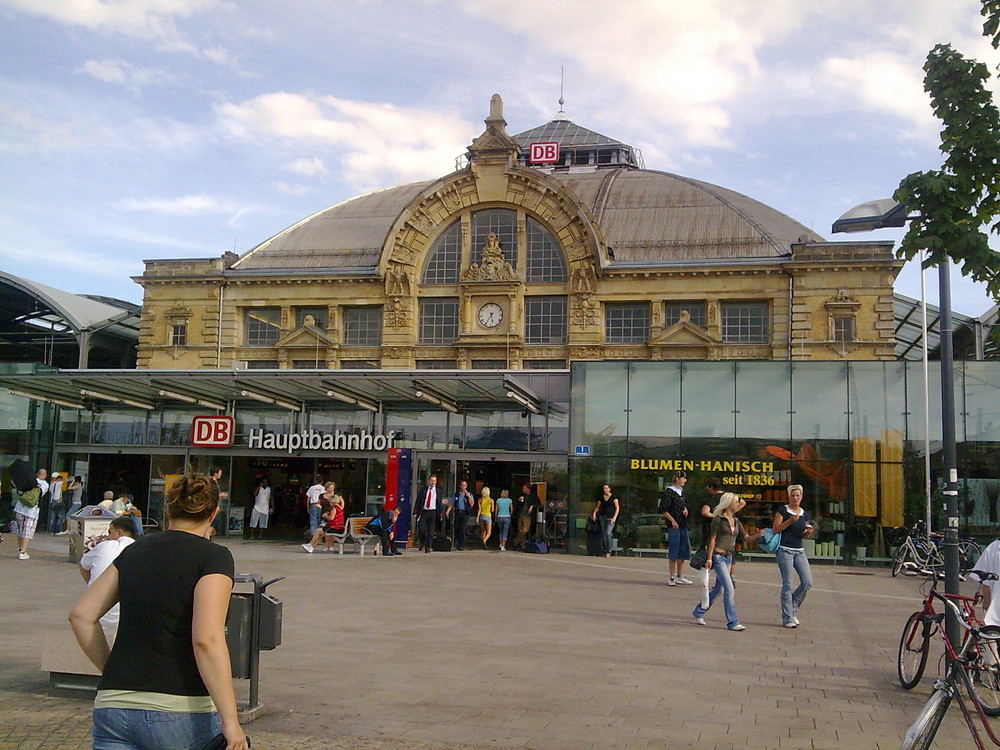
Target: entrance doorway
[497, 475]
[121, 473]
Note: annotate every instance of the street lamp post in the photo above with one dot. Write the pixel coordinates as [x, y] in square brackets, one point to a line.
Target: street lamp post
[890, 213]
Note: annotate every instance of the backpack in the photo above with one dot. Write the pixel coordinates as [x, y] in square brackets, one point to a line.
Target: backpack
[30, 498]
[770, 541]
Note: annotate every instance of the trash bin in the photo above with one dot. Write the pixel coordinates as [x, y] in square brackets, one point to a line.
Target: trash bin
[253, 624]
[87, 528]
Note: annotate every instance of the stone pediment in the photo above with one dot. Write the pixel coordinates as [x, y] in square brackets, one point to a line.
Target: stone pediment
[684, 333]
[306, 336]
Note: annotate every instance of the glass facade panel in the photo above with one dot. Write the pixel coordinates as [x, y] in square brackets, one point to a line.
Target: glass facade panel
[708, 395]
[124, 427]
[877, 399]
[348, 420]
[654, 403]
[275, 420]
[431, 430]
[600, 398]
[916, 415]
[819, 398]
[982, 402]
[496, 430]
[175, 425]
[763, 401]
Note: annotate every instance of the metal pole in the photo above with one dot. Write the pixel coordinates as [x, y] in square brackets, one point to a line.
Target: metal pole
[949, 463]
[927, 394]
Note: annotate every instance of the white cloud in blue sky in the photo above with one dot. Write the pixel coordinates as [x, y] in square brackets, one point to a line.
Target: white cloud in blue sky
[134, 129]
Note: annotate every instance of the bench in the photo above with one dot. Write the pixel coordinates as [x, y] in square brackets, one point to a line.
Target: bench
[640, 551]
[362, 536]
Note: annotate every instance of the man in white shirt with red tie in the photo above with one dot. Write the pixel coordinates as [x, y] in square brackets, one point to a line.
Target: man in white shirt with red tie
[427, 512]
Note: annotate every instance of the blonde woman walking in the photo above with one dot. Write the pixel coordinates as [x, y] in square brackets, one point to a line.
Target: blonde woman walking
[486, 506]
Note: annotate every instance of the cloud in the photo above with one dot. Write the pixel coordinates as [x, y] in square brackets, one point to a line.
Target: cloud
[148, 20]
[377, 144]
[308, 167]
[188, 205]
[123, 73]
[288, 188]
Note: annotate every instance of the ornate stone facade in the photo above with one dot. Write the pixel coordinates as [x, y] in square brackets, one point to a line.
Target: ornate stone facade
[792, 301]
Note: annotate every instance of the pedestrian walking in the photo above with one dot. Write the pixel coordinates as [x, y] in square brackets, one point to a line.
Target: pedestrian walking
[792, 522]
[673, 507]
[605, 512]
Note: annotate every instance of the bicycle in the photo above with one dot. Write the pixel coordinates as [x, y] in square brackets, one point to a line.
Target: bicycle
[920, 627]
[921, 552]
[959, 678]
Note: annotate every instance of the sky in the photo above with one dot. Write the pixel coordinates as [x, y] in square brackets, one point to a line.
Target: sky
[144, 129]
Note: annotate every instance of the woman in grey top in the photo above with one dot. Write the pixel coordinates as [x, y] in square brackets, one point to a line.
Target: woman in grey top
[725, 532]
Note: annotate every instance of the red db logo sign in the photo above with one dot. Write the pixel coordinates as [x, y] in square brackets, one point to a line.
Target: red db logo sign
[213, 432]
[543, 153]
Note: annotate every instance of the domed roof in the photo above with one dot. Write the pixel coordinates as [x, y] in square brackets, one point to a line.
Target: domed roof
[648, 218]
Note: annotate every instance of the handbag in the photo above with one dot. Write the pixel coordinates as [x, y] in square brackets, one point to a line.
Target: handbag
[593, 527]
[218, 742]
[698, 559]
[770, 541]
[30, 498]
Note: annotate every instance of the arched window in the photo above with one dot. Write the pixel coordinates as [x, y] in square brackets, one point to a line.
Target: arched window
[499, 221]
[444, 258]
[544, 258]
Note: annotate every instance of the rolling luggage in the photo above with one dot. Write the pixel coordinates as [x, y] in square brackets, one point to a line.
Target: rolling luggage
[594, 544]
[441, 543]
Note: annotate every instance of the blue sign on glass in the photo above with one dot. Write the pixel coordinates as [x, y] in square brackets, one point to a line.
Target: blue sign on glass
[583, 450]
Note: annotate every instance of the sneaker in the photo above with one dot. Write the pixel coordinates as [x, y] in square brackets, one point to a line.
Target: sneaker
[795, 620]
[671, 582]
[700, 620]
[23, 555]
[308, 548]
[61, 533]
[738, 628]
[685, 581]
[791, 624]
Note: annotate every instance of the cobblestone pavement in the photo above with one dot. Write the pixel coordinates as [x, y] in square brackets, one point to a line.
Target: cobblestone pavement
[488, 650]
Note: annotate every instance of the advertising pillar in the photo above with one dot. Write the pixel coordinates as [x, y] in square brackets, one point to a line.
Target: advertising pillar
[397, 489]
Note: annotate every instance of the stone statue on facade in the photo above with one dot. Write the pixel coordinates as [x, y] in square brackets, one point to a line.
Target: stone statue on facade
[492, 266]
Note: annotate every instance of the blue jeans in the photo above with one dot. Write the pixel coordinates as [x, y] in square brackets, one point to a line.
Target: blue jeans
[607, 526]
[57, 517]
[315, 513]
[788, 560]
[137, 729]
[678, 544]
[504, 523]
[723, 583]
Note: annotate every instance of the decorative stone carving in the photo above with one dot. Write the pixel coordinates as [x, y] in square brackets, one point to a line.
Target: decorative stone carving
[451, 198]
[397, 315]
[585, 312]
[582, 279]
[397, 280]
[842, 302]
[713, 312]
[585, 352]
[494, 266]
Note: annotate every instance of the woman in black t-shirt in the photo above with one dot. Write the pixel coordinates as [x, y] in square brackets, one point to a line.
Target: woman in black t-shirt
[606, 511]
[167, 682]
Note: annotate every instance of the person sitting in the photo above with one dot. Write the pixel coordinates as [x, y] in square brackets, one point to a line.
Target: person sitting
[97, 560]
[331, 521]
[382, 525]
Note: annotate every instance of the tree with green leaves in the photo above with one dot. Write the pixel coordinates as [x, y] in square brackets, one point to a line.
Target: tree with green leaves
[952, 206]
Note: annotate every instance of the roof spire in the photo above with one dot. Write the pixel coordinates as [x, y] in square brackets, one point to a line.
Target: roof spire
[561, 115]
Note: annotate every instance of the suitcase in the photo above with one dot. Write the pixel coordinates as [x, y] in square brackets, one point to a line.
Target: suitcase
[22, 475]
[441, 543]
[538, 548]
[594, 547]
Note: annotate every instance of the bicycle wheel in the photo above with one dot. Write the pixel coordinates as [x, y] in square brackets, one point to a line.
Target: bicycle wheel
[898, 559]
[984, 671]
[922, 731]
[913, 647]
[968, 554]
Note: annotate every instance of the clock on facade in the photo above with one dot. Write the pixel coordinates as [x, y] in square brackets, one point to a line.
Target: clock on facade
[490, 315]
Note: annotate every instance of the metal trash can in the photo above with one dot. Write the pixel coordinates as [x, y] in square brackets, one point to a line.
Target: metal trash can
[87, 528]
[253, 624]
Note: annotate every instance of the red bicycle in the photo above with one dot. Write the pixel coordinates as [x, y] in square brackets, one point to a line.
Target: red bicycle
[914, 645]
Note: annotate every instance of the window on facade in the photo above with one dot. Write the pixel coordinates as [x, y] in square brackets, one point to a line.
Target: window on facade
[744, 322]
[626, 322]
[362, 326]
[544, 258]
[360, 364]
[319, 316]
[445, 257]
[544, 364]
[545, 320]
[843, 329]
[438, 320]
[308, 364]
[261, 326]
[437, 364]
[672, 312]
[178, 334]
[499, 221]
[263, 364]
[489, 364]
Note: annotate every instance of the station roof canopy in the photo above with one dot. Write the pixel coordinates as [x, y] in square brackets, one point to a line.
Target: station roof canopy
[450, 390]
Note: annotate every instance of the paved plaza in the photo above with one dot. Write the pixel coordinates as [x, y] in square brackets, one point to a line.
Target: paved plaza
[506, 650]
